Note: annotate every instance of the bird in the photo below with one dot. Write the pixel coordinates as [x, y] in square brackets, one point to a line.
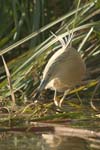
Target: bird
[63, 71]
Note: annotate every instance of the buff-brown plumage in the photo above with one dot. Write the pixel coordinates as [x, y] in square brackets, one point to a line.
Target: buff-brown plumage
[64, 70]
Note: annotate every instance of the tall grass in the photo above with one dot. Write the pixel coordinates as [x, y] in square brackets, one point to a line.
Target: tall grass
[24, 38]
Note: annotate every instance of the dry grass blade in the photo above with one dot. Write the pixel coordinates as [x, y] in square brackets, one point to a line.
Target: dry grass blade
[9, 82]
[85, 39]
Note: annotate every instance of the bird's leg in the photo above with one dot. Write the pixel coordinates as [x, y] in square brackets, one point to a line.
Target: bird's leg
[61, 100]
[55, 98]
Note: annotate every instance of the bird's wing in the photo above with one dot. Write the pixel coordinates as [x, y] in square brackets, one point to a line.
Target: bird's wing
[54, 64]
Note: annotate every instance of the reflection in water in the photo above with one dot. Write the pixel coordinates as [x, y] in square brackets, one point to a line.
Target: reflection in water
[64, 143]
[31, 141]
[52, 140]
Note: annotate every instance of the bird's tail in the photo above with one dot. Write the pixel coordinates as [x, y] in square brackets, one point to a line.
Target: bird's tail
[39, 89]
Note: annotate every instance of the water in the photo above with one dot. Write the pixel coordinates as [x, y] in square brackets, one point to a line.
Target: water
[79, 130]
[46, 141]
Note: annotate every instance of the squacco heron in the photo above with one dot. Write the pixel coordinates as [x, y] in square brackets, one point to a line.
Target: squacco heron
[64, 70]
